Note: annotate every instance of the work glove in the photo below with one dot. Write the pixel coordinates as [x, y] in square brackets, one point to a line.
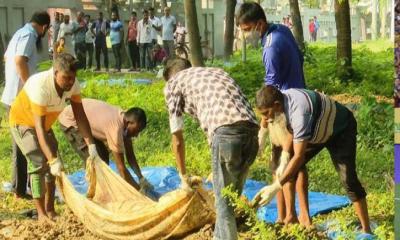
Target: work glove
[92, 151]
[56, 167]
[266, 194]
[262, 137]
[145, 185]
[284, 160]
[186, 183]
[210, 178]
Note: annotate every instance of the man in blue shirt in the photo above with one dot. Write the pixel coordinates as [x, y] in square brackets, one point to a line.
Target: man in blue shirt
[21, 58]
[100, 28]
[116, 35]
[282, 58]
[283, 63]
[79, 31]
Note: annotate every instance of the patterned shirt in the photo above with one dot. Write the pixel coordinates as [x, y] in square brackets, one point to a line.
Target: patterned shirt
[210, 96]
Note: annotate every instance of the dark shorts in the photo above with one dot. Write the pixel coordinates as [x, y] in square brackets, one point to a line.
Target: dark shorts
[78, 144]
[342, 149]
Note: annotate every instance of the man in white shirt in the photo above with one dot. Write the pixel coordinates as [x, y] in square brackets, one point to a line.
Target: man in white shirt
[156, 26]
[89, 40]
[66, 31]
[168, 28]
[144, 39]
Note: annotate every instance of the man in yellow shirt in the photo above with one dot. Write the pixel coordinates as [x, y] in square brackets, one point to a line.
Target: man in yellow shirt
[32, 114]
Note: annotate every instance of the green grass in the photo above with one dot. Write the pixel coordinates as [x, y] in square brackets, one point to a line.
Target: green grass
[372, 62]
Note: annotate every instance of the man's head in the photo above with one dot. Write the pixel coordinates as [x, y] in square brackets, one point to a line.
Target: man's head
[101, 16]
[57, 16]
[87, 18]
[145, 14]
[269, 102]
[135, 121]
[251, 17]
[41, 22]
[133, 15]
[151, 12]
[315, 17]
[79, 16]
[61, 17]
[65, 67]
[114, 16]
[66, 19]
[167, 11]
[175, 65]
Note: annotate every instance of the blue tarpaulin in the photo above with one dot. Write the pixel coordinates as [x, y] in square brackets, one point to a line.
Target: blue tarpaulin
[166, 179]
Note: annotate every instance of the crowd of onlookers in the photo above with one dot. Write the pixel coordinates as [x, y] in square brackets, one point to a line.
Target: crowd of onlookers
[85, 36]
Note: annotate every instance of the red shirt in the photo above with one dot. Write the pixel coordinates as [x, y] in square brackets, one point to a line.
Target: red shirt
[132, 31]
[311, 27]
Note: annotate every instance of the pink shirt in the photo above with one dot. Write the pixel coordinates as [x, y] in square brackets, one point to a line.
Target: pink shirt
[132, 31]
[106, 122]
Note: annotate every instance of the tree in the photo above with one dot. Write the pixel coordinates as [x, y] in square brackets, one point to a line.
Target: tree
[194, 33]
[382, 13]
[229, 28]
[343, 29]
[2, 50]
[297, 25]
[374, 21]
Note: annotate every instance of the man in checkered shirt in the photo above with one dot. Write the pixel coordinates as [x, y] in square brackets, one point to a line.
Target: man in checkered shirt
[216, 101]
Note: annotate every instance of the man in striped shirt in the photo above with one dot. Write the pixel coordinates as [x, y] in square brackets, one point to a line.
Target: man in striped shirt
[317, 122]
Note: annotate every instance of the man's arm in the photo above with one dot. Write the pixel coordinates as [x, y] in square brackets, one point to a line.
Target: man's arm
[123, 171]
[295, 163]
[178, 147]
[21, 63]
[131, 158]
[82, 122]
[47, 145]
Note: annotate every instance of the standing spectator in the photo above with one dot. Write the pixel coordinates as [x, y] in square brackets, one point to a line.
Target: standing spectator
[116, 36]
[79, 30]
[144, 40]
[66, 31]
[100, 28]
[311, 29]
[168, 28]
[132, 43]
[89, 40]
[180, 34]
[158, 55]
[21, 58]
[56, 28]
[156, 26]
[316, 28]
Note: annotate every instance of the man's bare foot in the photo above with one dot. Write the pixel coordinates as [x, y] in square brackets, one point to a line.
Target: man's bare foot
[44, 219]
[291, 220]
[279, 221]
[305, 221]
[52, 215]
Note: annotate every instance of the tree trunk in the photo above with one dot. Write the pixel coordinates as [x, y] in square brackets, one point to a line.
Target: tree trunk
[2, 50]
[363, 28]
[297, 25]
[374, 21]
[382, 13]
[343, 29]
[193, 31]
[229, 28]
[392, 22]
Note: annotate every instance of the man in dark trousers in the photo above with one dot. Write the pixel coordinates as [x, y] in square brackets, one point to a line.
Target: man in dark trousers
[101, 29]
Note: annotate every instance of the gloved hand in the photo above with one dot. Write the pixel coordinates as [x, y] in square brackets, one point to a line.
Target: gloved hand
[92, 151]
[265, 195]
[56, 167]
[210, 178]
[284, 160]
[145, 185]
[186, 183]
[262, 136]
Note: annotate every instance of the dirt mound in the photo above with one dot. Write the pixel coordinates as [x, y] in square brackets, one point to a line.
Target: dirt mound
[67, 226]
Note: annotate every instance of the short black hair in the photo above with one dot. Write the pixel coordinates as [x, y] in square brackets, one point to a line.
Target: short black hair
[136, 115]
[41, 17]
[151, 9]
[87, 15]
[145, 11]
[175, 65]
[250, 12]
[267, 96]
[133, 13]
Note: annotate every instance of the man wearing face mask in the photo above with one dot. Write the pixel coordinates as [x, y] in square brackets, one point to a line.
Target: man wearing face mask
[115, 127]
[21, 58]
[283, 63]
[66, 31]
[32, 115]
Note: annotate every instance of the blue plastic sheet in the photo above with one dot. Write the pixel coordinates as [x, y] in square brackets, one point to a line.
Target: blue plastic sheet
[166, 179]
